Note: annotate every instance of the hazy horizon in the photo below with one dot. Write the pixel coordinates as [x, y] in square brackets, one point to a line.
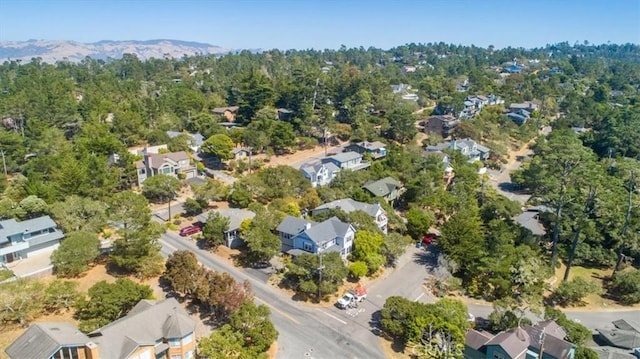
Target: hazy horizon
[288, 24]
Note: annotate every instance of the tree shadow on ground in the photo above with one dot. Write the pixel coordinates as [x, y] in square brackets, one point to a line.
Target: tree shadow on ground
[428, 256]
[376, 328]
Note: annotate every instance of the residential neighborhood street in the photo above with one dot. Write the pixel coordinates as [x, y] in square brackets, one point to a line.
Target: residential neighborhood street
[325, 332]
[305, 332]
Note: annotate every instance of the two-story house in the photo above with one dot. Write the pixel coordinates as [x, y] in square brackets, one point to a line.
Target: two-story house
[19, 240]
[443, 125]
[235, 216]
[520, 343]
[300, 236]
[320, 174]
[468, 147]
[375, 149]
[388, 188]
[347, 161]
[227, 113]
[151, 330]
[171, 164]
[349, 205]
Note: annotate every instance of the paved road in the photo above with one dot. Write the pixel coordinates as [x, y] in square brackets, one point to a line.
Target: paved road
[501, 180]
[305, 332]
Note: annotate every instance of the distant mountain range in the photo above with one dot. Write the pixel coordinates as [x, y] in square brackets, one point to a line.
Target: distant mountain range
[52, 51]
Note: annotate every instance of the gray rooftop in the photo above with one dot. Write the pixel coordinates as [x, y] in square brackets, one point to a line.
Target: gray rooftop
[529, 220]
[376, 145]
[145, 325]
[344, 156]
[327, 230]
[42, 340]
[518, 340]
[627, 339]
[236, 216]
[476, 339]
[627, 324]
[11, 227]
[293, 225]
[349, 205]
[311, 168]
[382, 187]
[198, 139]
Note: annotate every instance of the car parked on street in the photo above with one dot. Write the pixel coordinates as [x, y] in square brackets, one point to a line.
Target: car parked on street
[352, 297]
[189, 230]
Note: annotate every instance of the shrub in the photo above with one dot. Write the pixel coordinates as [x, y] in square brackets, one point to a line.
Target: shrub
[585, 353]
[626, 287]
[358, 269]
[573, 291]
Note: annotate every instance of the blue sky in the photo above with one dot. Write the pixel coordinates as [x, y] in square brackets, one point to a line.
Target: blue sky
[303, 24]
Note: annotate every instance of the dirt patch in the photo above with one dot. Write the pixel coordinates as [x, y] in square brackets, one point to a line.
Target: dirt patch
[592, 302]
[393, 349]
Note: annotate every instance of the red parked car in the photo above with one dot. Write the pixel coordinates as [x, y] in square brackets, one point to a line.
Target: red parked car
[428, 239]
[186, 231]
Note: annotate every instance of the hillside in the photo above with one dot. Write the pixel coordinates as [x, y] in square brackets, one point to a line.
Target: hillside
[52, 51]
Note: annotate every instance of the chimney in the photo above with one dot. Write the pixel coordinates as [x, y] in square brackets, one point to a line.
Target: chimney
[91, 351]
[147, 160]
[307, 225]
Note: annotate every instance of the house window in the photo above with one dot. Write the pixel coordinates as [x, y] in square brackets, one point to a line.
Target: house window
[498, 355]
[174, 342]
[307, 246]
[176, 356]
[188, 355]
[142, 171]
[187, 339]
[66, 353]
[166, 170]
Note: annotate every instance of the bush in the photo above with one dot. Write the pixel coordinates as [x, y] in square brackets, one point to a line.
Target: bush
[572, 292]
[358, 269]
[75, 253]
[585, 353]
[626, 287]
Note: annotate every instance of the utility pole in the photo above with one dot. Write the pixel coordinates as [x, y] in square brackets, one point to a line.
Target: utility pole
[320, 268]
[4, 163]
[541, 343]
[250, 153]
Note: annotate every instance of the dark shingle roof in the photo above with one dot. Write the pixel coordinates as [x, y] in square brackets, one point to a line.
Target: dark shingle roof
[327, 230]
[42, 340]
[514, 342]
[382, 187]
[476, 339]
[293, 225]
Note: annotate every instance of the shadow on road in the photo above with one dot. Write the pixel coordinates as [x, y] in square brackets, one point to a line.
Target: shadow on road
[427, 257]
[512, 188]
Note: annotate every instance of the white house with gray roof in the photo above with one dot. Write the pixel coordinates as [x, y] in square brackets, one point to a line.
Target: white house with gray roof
[19, 240]
[322, 172]
[170, 164]
[300, 236]
[349, 160]
[349, 205]
[468, 147]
